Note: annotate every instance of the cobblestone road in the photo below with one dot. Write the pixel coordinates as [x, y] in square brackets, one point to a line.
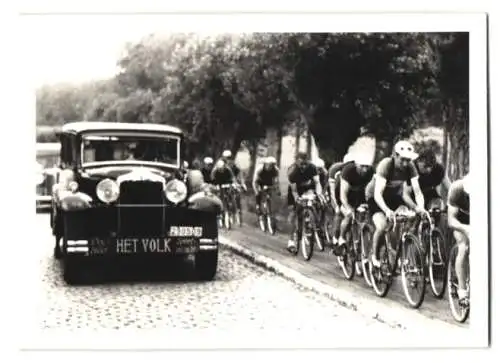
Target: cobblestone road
[243, 296]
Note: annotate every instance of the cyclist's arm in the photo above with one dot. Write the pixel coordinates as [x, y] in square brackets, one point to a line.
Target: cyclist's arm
[317, 183]
[407, 196]
[344, 191]
[454, 223]
[419, 196]
[212, 174]
[444, 188]
[255, 179]
[293, 187]
[335, 203]
[380, 183]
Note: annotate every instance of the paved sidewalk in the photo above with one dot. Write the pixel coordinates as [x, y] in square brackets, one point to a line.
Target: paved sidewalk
[323, 274]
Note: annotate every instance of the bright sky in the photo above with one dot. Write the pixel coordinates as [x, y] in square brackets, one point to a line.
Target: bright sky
[73, 48]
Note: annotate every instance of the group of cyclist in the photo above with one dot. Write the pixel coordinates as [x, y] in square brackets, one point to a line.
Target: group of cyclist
[404, 180]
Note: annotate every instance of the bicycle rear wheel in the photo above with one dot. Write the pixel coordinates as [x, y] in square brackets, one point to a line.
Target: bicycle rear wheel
[346, 259]
[381, 277]
[437, 263]
[413, 271]
[459, 311]
[366, 243]
[307, 235]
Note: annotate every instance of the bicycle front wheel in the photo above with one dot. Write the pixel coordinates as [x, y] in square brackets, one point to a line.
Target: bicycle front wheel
[366, 243]
[413, 271]
[459, 310]
[381, 277]
[346, 259]
[437, 263]
[307, 237]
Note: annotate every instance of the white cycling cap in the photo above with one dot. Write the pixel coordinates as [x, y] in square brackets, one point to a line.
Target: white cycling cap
[220, 164]
[319, 163]
[466, 183]
[227, 153]
[364, 159]
[405, 149]
[185, 164]
[208, 160]
[270, 160]
[348, 158]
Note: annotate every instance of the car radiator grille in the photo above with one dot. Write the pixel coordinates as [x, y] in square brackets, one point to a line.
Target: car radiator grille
[141, 209]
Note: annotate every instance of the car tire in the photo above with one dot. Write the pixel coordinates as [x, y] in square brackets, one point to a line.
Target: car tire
[206, 265]
[72, 271]
[57, 248]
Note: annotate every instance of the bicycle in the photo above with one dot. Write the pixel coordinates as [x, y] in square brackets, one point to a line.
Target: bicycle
[306, 224]
[433, 245]
[226, 195]
[461, 311]
[267, 223]
[357, 248]
[408, 256]
[236, 190]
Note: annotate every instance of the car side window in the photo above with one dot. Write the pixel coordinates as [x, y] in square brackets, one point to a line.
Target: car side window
[66, 151]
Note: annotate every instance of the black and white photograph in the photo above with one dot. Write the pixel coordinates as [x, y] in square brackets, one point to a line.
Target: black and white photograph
[239, 188]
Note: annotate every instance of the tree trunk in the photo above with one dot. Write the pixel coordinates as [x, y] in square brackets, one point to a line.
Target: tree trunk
[280, 145]
[309, 143]
[253, 148]
[445, 142]
[297, 139]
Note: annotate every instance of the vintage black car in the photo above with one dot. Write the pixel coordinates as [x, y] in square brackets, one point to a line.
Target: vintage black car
[123, 194]
[47, 160]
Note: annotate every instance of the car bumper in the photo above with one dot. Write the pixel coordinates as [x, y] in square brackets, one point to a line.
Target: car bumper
[43, 201]
[148, 233]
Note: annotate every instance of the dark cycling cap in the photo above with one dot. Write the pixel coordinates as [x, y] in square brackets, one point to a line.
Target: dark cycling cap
[428, 156]
[301, 156]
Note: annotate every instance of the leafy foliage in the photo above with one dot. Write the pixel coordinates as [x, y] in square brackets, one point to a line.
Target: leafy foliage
[227, 91]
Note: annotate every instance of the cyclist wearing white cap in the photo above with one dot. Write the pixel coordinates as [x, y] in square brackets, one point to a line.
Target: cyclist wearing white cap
[206, 169]
[266, 175]
[351, 191]
[227, 157]
[333, 181]
[322, 172]
[384, 192]
[458, 222]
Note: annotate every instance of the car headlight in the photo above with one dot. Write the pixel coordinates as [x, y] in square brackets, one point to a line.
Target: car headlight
[107, 191]
[176, 191]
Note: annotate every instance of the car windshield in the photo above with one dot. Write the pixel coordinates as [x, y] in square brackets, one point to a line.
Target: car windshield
[106, 148]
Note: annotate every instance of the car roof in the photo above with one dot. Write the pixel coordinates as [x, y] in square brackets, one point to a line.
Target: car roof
[86, 126]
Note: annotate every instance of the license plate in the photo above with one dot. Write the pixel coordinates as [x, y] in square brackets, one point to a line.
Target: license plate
[158, 246]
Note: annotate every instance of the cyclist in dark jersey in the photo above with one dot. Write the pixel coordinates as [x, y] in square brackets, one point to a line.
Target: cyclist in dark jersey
[221, 174]
[353, 180]
[458, 222]
[384, 192]
[333, 180]
[302, 176]
[206, 169]
[432, 180]
[266, 175]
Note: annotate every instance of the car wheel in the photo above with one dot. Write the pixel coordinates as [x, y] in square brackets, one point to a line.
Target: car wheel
[206, 265]
[72, 271]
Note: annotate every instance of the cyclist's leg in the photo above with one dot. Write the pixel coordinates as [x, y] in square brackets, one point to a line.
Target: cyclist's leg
[344, 225]
[463, 250]
[258, 199]
[291, 220]
[380, 223]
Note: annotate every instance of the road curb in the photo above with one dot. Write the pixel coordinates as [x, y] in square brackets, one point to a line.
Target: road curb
[402, 318]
